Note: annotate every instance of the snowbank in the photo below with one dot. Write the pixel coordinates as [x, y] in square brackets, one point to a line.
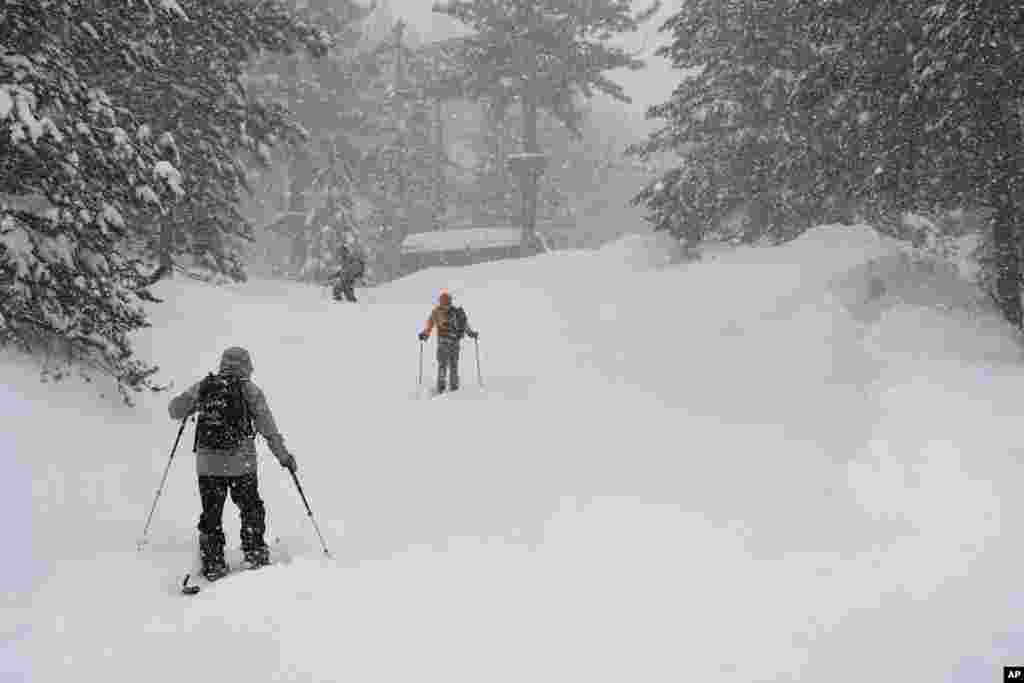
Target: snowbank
[643, 251]
[762, 467]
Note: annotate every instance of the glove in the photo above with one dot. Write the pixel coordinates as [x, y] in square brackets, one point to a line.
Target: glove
[422, 336]
[288, 462]
[473, 335]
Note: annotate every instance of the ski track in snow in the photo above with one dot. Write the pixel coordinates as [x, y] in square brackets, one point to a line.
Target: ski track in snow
[716, 471]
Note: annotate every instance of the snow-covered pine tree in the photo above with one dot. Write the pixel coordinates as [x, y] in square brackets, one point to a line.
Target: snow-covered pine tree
[732, 124]
[74, 164]
[111, 113]
[545, 54]
[969, 71]
[400, 164]
[326, 97]
[199, 111]
[859, 92]
[333, 223]
[493, 196]
[930, 91]
[373, 105]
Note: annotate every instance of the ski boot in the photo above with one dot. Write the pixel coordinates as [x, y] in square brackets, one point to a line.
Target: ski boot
[257, 557]
[215, 570]
[254, 548]
[212, 555]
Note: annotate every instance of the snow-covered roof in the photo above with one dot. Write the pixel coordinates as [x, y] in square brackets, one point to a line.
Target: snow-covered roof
[466, 238]
[527, 155]
[281, 218]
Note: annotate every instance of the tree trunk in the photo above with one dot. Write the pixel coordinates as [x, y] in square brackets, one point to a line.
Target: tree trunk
[166, 247]
[1005, 239]
[1004, 233]
[1006, 217]
[300, 172]
[439, 203]
[492, 197]
[296, 229]
[504, 190]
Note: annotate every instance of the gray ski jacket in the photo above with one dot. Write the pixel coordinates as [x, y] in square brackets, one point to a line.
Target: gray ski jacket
[242, 459]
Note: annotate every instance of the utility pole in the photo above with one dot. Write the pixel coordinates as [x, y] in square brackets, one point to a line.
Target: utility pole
[496, 121]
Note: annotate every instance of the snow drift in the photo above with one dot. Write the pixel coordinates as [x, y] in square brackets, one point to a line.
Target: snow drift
[792, 463]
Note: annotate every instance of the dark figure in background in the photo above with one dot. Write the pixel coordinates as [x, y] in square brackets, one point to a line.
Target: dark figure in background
[353, 267]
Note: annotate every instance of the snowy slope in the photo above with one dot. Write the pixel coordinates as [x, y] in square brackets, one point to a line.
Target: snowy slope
[777, 464]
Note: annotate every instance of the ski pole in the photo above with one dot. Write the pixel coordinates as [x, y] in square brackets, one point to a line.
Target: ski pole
[295, 478]
[163, 481]
[479, 377]
[419, 382]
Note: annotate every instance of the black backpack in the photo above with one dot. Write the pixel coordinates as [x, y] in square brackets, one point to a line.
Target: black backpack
[457, 322]
[223, 421]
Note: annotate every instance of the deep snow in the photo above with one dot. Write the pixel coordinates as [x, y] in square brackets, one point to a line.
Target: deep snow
[786, 464]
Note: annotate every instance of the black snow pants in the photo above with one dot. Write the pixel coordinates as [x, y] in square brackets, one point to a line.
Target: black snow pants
[447, 364]
[346, 287]
[245, 494]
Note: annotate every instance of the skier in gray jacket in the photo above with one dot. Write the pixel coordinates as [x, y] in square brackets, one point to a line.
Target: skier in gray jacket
[222, 470]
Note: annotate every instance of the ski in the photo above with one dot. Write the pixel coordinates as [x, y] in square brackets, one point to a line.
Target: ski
[433, 393]
[188, 588]
[453, 392]
[194, 581]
